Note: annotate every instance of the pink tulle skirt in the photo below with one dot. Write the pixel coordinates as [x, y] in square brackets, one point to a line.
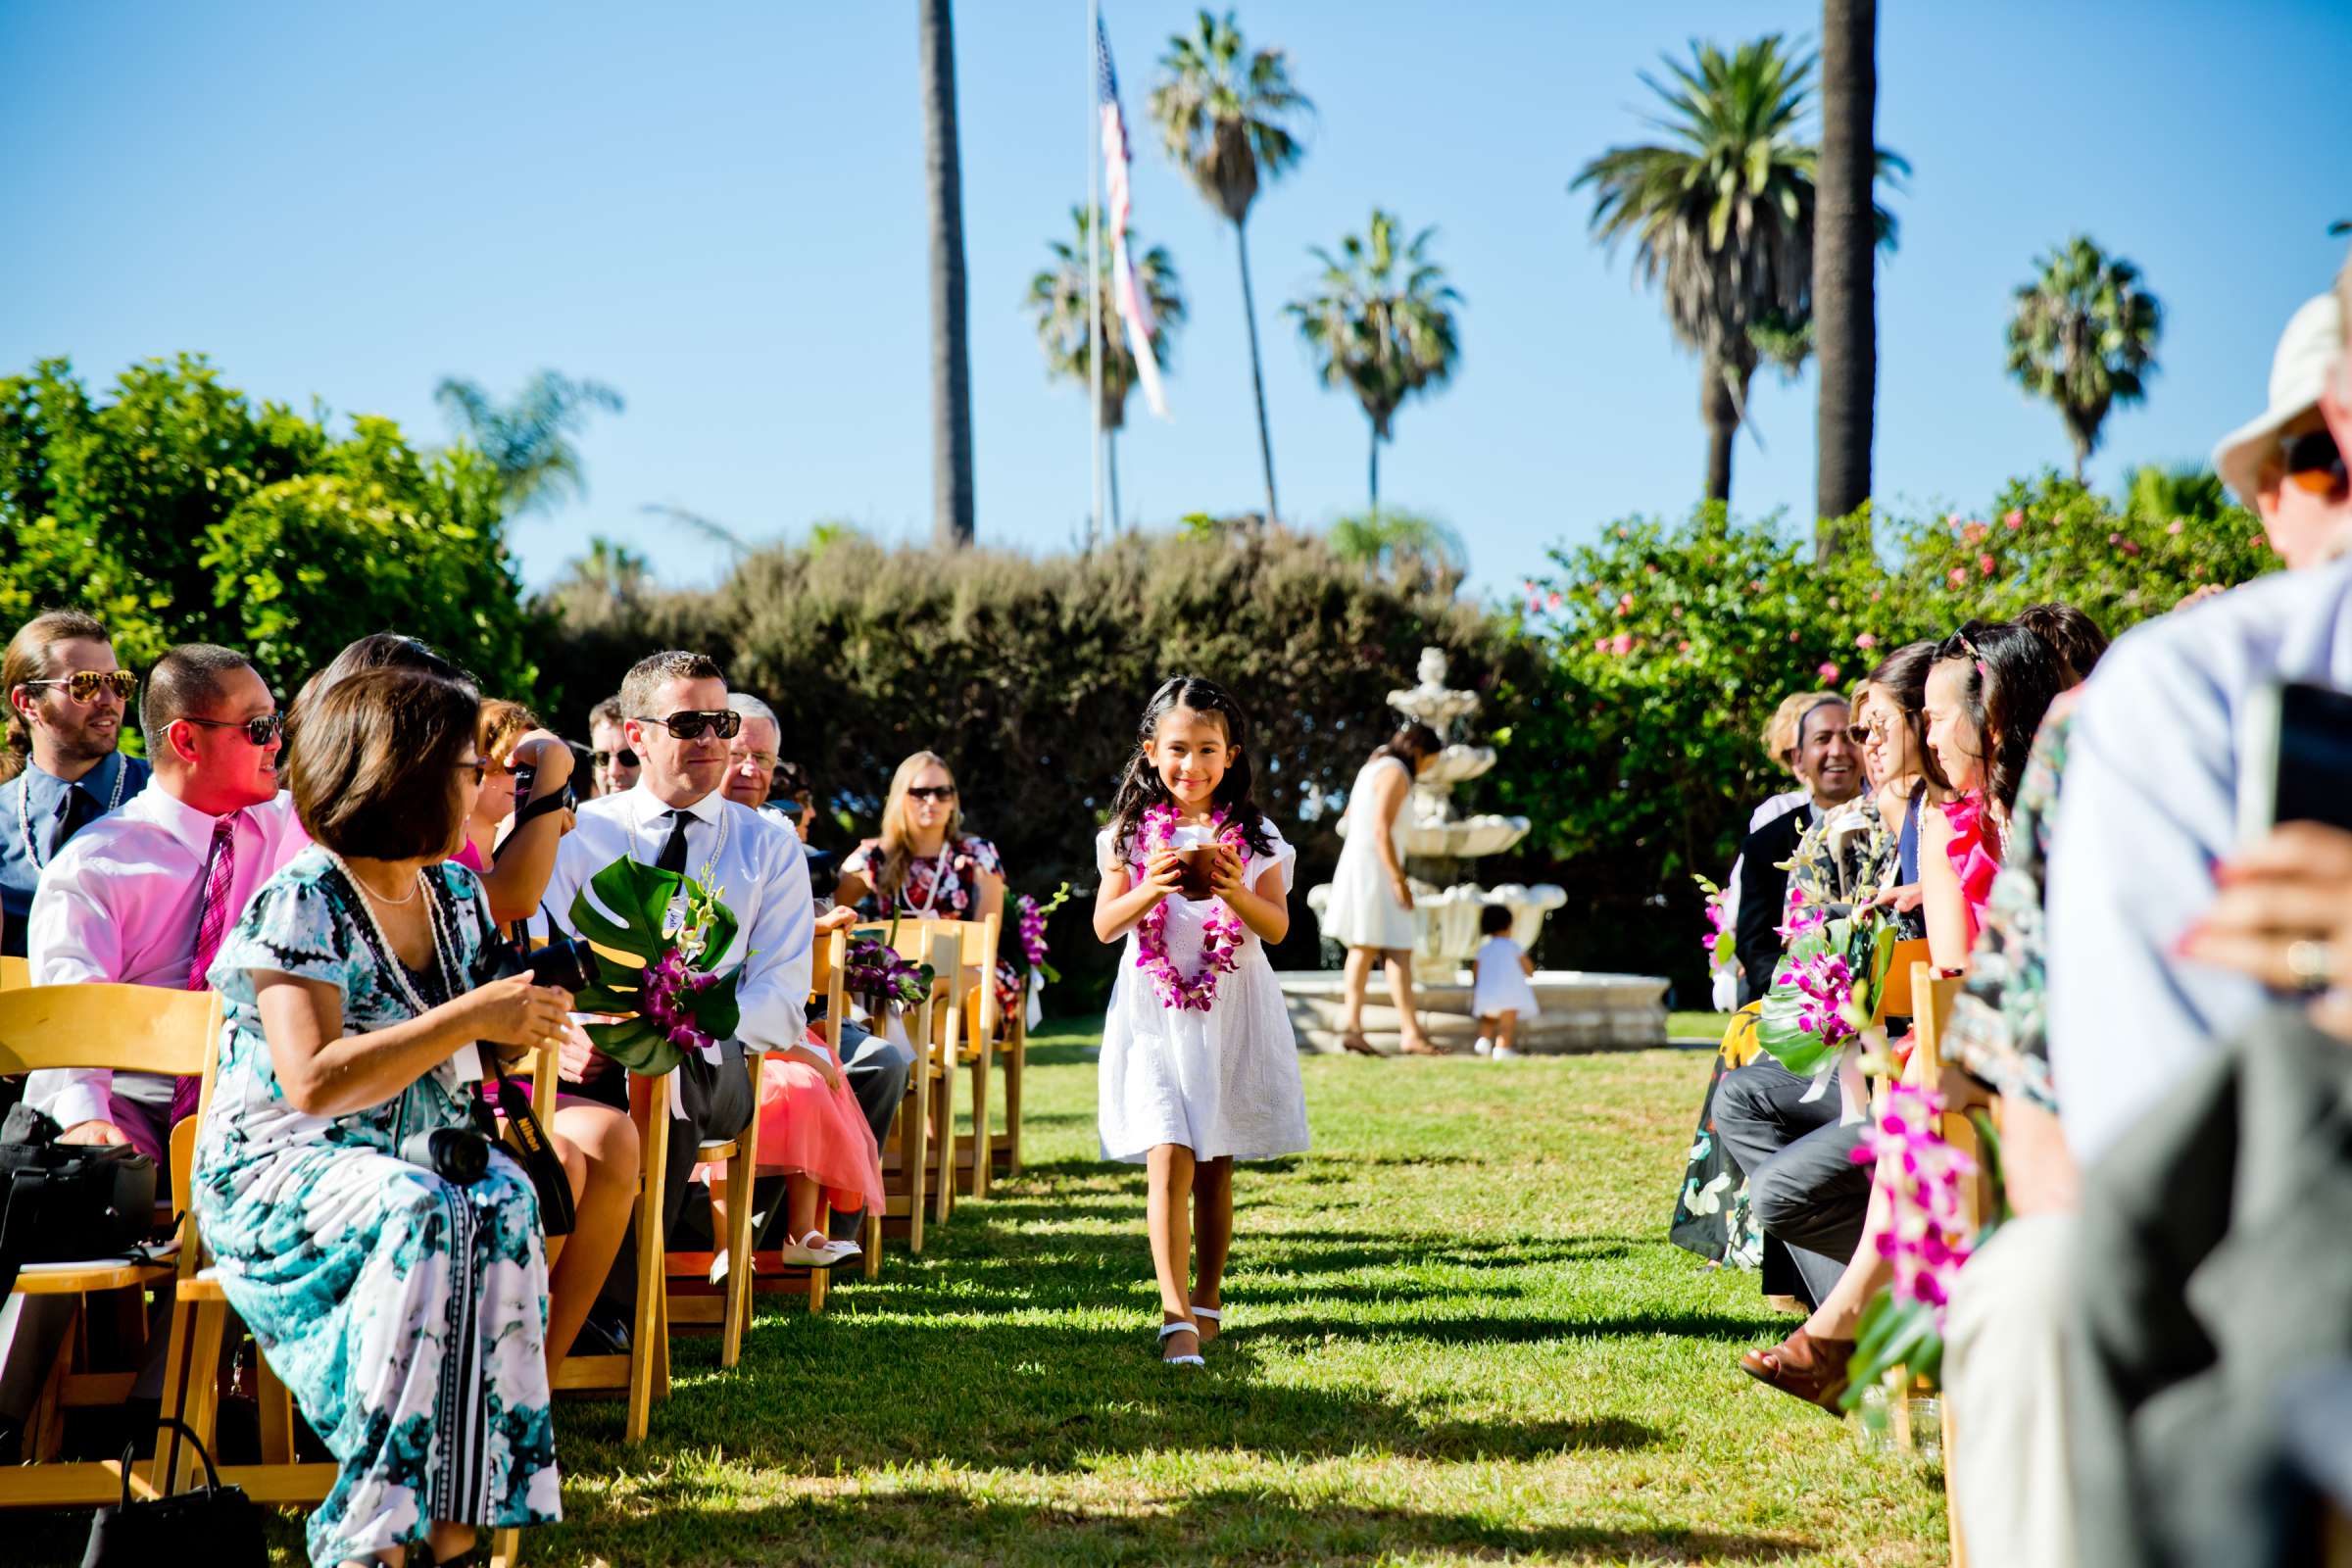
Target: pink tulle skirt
[809, 1130]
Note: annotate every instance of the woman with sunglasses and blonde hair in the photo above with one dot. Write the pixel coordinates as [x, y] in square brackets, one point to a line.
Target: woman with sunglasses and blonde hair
[924, 864]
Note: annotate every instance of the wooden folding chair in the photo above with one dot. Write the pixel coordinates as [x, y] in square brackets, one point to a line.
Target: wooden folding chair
[1934, 995]
[975, 1044]
[916, 1173]
[127, 1029]
[768, 1273]
[1005, 1147]
[15, 973]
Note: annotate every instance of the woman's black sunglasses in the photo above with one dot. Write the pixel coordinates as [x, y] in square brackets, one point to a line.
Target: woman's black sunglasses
[260, 730]
[932, 792]
[693, 724]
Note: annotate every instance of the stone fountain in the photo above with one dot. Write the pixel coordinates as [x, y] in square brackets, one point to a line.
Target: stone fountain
[1581, 1010]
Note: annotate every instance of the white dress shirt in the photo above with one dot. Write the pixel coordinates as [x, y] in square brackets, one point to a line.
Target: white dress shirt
[2149, 801]
[759, 874]
[120, 901]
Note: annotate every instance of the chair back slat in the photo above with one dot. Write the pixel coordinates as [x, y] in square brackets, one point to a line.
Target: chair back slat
[828, 967]
[1895, 996]
[15, 973]
[123, 1028]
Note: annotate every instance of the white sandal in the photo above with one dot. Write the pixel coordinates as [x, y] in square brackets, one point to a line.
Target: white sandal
[1181, 1326]
[1214, 1314]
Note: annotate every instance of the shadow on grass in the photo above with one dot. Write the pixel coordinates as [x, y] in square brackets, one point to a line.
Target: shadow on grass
[921, 1525]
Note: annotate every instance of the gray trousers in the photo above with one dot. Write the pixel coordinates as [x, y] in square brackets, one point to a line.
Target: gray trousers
[1802, 1183]
[878, 1070]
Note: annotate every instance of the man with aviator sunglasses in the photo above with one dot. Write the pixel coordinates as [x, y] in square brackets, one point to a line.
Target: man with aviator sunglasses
[62, 768]
[613, 766]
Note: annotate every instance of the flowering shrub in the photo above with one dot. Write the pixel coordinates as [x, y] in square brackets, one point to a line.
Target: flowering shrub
[1636, 751]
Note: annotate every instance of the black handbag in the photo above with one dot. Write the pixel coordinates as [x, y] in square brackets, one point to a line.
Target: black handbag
[219, 1525]
[59, 1202]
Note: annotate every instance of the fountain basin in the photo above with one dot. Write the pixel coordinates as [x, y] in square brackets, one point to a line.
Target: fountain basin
[1446, 919]
[1583, 1011]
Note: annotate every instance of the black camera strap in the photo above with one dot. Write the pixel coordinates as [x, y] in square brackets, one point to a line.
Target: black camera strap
[527, 1140]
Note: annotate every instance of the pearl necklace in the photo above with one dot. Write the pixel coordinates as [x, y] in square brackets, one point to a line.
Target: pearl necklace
[432, 916]
[24, 804]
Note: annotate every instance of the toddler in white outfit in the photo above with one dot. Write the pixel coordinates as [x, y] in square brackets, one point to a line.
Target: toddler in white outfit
[1500, 996]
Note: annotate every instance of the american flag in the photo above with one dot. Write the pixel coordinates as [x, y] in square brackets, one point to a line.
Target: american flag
[1133, 308]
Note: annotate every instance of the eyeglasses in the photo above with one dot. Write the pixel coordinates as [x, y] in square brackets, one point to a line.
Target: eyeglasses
[84, 685]
[765, 759]
[932, 792]
[2311, 462]
[624, 758]
[477, 769]
[693, 724]
[260, 730]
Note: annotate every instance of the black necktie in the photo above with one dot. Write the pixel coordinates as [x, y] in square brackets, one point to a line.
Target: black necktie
[80, 809]
[673, 850]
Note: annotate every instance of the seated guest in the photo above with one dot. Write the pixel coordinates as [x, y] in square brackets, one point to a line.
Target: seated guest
[61, 769]
[2077, 639]
[1780, 744]
[1985, 696]
[515, 869]
[924, 866]
[1762, 1108]
[403, 1309]
[615, 764]
[1890, 716]
[792, 797]
[678, 818]
[2152, 775]
[143, 897]
[877, 1069]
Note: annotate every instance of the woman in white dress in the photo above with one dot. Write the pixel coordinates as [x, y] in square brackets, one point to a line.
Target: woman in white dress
[1371, 908]
[1199, 1065]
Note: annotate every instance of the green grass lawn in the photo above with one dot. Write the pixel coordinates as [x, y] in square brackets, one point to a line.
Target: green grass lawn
[1458, 1335]
[1696, 1026]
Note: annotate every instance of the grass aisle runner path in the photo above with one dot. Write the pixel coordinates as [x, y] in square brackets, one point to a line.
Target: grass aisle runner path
[1459, 1334]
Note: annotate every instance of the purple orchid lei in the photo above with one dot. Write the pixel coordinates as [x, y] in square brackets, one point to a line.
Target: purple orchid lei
[1926, 1241]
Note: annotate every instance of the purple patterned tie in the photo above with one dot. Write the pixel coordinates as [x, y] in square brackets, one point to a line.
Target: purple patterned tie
[212, 924]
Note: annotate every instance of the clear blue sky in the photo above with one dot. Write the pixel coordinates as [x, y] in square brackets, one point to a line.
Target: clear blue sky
[719, 210]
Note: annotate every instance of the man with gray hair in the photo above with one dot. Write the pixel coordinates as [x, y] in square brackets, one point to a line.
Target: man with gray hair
[877, 1069]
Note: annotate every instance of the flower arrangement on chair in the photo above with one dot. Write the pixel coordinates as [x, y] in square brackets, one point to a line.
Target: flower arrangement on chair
[676, 1004]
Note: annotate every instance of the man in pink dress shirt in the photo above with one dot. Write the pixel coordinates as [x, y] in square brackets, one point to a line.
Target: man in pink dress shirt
[144, 895]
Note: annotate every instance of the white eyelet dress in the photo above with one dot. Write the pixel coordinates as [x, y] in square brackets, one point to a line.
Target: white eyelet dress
[1220, 1083]
[1363, 911]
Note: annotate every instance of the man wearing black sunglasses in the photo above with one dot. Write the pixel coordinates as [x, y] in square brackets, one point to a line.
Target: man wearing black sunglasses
[678, 721]
[62, 768]
[613, 766]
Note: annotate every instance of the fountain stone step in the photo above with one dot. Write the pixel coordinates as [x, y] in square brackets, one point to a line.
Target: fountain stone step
[1582, 1010]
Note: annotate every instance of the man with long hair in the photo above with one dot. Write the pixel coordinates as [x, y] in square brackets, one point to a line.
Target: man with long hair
[60, 767]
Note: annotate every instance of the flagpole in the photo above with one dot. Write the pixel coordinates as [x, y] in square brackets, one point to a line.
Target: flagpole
[1094, 269]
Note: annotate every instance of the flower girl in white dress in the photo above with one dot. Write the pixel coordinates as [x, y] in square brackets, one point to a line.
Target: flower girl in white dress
[1199, 1065]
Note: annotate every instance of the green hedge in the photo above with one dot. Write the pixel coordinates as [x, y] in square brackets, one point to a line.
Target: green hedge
[1029, 675]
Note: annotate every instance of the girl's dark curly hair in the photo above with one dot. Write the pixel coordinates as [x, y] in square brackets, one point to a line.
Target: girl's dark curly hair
[2010, 678]
[1140, 788]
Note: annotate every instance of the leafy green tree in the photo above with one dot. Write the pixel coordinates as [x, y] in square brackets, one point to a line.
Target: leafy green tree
[1056, 301]
[2084, 334]
[1380, 322]
[1720, 217]
[176, 511]
[1230, 118]
[528, 441]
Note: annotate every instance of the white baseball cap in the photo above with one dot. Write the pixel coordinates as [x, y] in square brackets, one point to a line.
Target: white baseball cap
[2307, 351]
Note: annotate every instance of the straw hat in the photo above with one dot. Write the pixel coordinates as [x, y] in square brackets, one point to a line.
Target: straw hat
[2308, 350]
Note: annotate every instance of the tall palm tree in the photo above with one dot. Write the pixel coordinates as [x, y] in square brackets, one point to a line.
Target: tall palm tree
[2083, 335]
[950, 347]
[1720, 217]
[528, 441]
[1381, 323]
[1844, 284]
[1058, 300]
[1231, 121]
[1410, 549]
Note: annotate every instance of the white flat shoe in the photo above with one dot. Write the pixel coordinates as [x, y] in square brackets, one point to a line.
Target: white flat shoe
[824, 1254]
[1181, 1326]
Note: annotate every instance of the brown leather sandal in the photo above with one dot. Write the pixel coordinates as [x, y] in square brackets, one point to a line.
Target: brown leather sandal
[1811, 1369]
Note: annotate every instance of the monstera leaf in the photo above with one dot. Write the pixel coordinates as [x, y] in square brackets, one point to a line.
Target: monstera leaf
[636, 900]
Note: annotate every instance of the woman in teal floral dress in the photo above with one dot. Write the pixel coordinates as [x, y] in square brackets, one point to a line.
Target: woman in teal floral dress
[406, 1313]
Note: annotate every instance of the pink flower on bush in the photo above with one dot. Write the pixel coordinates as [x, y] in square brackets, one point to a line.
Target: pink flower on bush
[2173, 528]
[1650, 566]
[1622, 643]
[1624, 604]
[1601, 644]
[1793, 636]
[2013, 519]
[1957, 577]
[1683, 647]
[1973, 533]
[1828, 673]
[1986, 565]
[2260, 543]
[1554, 602]
[1868, 640]
[1677, 612]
